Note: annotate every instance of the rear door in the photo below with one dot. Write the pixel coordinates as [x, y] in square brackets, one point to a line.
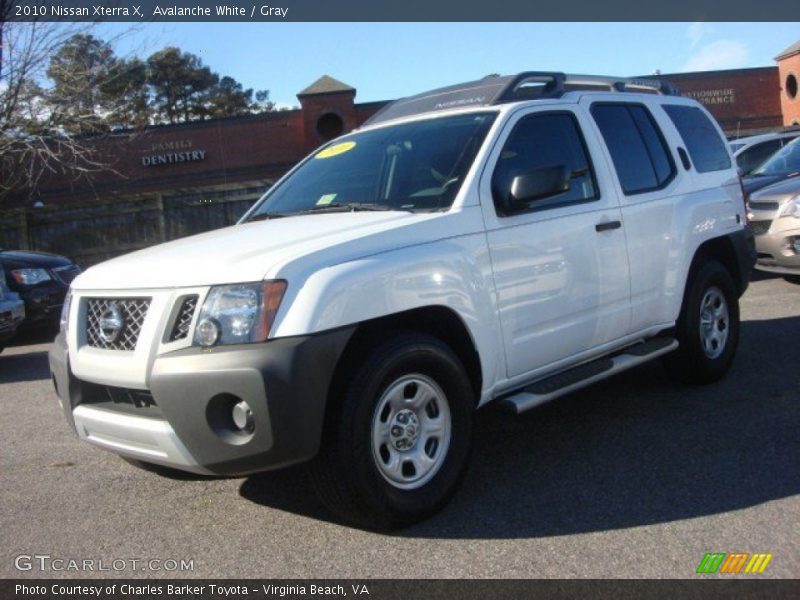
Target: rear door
[560, 264]
[651, 194]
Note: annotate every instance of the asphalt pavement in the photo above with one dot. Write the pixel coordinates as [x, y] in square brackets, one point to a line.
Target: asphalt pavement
[634, 477]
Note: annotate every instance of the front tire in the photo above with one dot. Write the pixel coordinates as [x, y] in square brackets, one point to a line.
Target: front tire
[396, 443]
[708, 326]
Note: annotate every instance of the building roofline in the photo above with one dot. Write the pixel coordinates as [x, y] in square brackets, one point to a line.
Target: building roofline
[326, 85]
[790, 51]
[705, 74]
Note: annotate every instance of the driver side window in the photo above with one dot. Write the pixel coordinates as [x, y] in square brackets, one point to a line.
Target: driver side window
[546, 140]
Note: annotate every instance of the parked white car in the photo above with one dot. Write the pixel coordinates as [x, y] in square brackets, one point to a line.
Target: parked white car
[751, 152]
[506, 240]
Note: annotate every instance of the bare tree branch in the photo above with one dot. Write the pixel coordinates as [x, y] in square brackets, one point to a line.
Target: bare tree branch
[41, 135]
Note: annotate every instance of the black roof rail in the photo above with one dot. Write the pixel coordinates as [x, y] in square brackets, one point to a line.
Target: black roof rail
[548, 84]
[494, 89]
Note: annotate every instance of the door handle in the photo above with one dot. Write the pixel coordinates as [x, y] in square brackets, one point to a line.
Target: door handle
[608, 226]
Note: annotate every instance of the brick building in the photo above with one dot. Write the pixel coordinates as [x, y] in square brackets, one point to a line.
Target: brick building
[748, 101]
[236, 159]
[744, 101]
[207, 161]
[789, 74]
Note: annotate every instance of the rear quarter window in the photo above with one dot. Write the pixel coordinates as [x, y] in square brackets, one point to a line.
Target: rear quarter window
[640, 155]
[705, 145]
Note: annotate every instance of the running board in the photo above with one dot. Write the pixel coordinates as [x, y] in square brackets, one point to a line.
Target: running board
[578, 377]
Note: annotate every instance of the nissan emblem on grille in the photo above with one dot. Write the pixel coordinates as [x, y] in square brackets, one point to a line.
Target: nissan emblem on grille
[111, 323]
[115, 323]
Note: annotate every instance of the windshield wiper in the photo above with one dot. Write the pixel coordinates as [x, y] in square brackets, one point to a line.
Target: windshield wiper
[349, 207]
[266, 215]
[327, 208]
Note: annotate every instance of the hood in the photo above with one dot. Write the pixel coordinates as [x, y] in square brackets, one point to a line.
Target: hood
[24, 259]
[783, 190]
[752, 184]
[247, 252]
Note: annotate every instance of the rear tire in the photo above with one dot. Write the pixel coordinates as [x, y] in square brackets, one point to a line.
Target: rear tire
[795, 279]
[707, 328]
[396, 443]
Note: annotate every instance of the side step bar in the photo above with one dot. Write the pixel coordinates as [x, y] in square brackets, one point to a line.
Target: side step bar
[578, 377]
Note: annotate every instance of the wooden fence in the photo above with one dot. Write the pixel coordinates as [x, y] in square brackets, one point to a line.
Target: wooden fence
[96, 232]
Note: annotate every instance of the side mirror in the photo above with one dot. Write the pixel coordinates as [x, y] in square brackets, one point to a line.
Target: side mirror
[536, 184]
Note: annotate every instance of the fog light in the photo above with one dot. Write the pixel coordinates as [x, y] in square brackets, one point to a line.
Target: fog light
[243, 417]
[207, 333]
[796, 245]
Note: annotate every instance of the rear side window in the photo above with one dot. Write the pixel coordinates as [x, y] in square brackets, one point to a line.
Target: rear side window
[702, 140]
[640, 155]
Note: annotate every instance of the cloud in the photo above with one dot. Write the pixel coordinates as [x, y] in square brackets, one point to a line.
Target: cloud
[722, 54]
[697, 31]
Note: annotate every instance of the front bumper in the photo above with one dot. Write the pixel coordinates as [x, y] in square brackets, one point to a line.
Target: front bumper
[43, 302]
[189, 425]
[778, 247]
[12, 314]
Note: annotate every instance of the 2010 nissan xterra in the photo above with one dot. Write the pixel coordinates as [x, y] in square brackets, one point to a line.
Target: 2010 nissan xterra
[506, 240]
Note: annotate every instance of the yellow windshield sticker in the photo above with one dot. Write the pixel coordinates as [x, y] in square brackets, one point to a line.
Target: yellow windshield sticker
[336, 150]
[326, 199]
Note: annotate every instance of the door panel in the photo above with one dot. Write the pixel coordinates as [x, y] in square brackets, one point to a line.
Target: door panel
[653, 231]
[562, 285]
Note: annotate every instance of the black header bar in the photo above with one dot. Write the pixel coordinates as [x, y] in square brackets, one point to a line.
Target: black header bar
[701, 588]
[141, 11]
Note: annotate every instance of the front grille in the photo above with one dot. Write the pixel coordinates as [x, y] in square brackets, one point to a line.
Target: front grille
[66, 274]
[118, 399]
[137, 398]
[184, 318]
[101, 329]
[760, 227]
[763, 205]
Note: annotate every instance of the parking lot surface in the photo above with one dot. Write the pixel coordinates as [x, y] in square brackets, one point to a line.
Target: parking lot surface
[634, 477]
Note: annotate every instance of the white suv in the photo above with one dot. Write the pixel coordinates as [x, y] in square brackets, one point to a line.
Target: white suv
[506, 240]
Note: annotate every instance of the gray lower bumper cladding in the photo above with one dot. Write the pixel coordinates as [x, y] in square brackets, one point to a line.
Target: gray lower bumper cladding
[284, 384]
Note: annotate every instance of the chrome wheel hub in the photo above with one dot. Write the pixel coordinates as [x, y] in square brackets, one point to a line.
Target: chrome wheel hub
[404, 430]
[714, 322]
[411, 431]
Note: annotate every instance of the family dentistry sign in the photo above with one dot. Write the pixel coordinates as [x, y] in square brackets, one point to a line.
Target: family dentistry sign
[168, 153]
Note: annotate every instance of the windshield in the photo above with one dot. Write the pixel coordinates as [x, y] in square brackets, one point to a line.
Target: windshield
[785, 161]
[415, 166]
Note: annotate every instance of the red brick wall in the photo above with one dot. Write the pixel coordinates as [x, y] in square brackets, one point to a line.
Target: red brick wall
[790, 66]
[742, 100]
[234, 150]
[314, 107]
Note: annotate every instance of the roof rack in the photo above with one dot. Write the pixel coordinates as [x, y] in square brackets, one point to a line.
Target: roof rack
[494, 89]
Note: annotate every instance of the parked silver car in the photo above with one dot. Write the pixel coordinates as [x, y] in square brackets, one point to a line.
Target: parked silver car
[774, 214]
[12, 311]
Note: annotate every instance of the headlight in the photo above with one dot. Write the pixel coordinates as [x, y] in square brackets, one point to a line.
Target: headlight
[30, 276]
[239, 313]
[792, 208]
[65, 312]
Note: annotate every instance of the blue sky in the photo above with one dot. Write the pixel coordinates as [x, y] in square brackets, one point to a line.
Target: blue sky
[388, 60]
